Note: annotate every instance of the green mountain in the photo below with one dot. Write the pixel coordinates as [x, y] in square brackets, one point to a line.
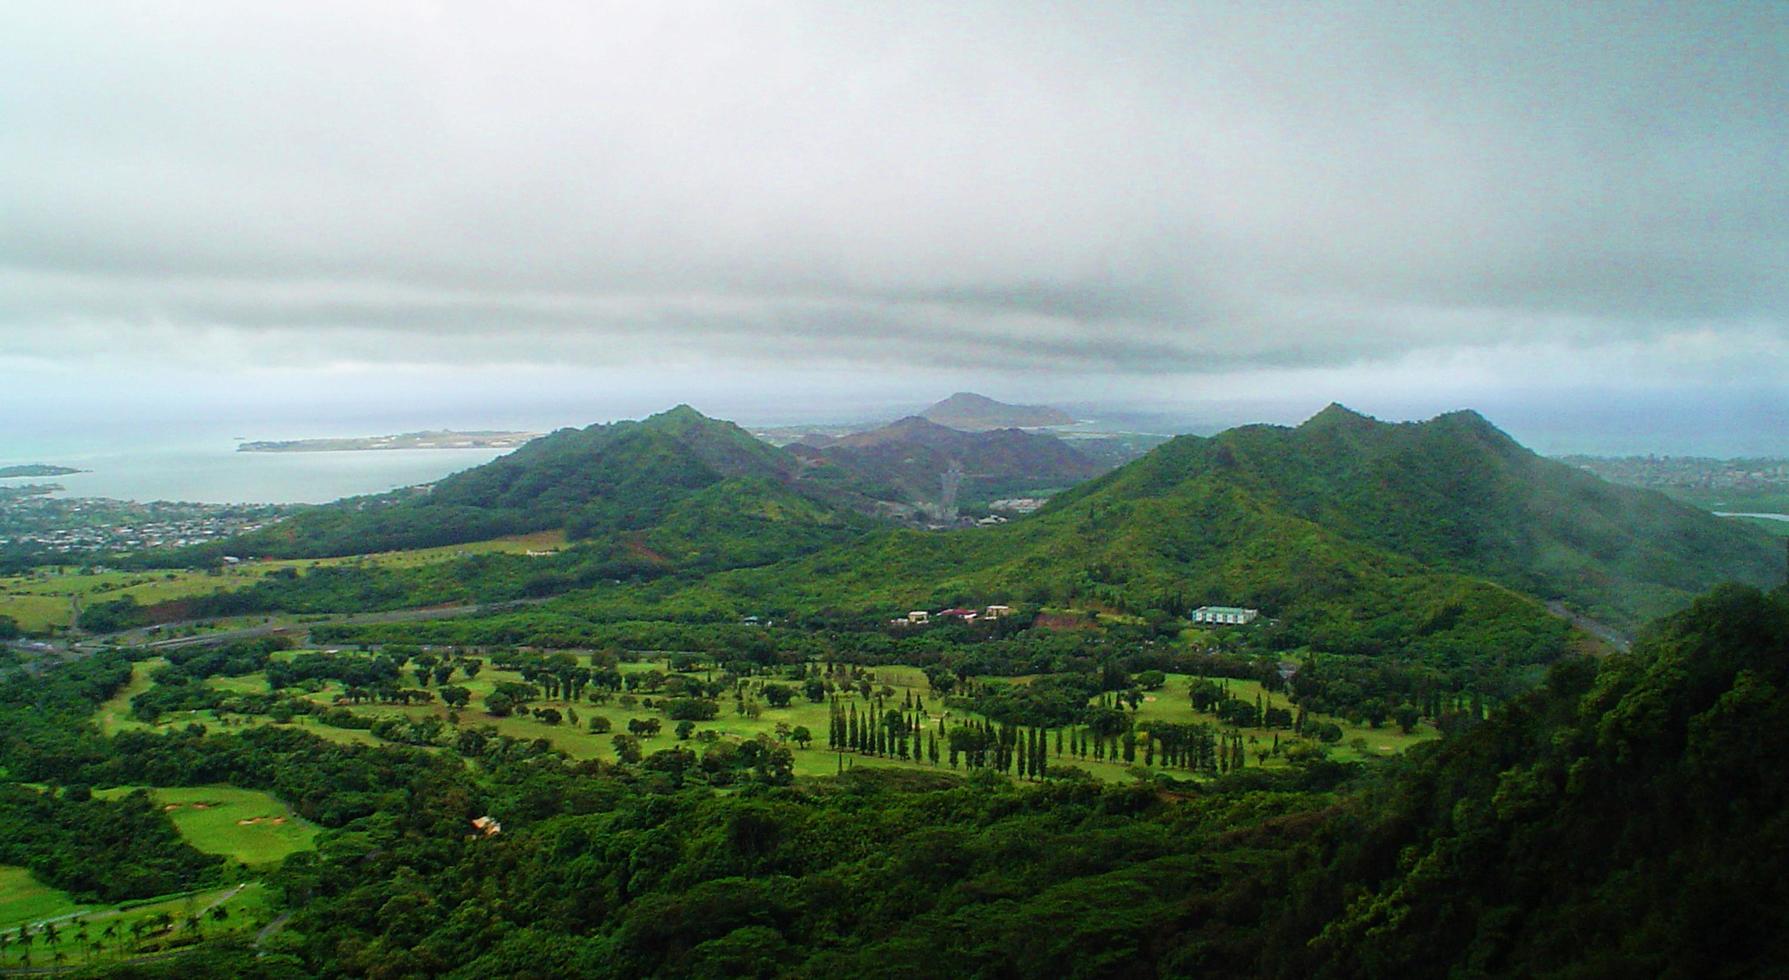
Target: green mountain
[1436, 540]
[592, 482]
[1457, 494]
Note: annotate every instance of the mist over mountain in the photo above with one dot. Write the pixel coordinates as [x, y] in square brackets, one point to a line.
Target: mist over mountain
[967, 410]
[917, 461]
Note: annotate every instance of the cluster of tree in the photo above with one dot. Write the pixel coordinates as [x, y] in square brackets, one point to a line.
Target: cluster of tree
[351, 669]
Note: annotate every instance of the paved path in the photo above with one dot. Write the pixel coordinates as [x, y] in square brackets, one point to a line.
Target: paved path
[1609, 634]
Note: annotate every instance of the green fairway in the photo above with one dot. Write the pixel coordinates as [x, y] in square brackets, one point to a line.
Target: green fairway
[25, 899]
[41, 599]
[114, 715]
[242, 824]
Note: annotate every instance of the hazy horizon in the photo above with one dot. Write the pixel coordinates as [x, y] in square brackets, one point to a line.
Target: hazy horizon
[336, 218]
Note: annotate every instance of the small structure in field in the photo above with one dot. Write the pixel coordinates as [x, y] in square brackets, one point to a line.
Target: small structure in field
[1225, 615]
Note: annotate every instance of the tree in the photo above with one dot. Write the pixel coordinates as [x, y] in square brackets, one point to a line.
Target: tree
[499, 704]
[1407, 716]
[685, 729]
[455, 696]
[802, 736]
[692, 709]
[627, 749]
[778, 695]
[646, 727]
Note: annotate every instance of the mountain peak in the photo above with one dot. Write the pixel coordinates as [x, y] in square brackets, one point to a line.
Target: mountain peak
[968, 410]
[679, 412]
[1337, 414]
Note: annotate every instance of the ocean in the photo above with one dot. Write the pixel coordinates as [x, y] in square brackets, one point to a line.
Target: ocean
[208, 469]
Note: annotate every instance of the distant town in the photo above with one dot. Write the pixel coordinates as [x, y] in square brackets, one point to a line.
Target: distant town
[32, 521]
[1688, 472]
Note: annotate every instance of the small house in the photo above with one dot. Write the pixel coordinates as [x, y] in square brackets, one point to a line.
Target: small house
[1225, 615]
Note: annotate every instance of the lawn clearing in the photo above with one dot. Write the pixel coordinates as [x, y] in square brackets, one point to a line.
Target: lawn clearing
[25, 899]
[242, 824]
[40, 600]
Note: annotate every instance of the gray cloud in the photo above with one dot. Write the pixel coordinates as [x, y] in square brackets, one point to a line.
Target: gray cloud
[1140, 190]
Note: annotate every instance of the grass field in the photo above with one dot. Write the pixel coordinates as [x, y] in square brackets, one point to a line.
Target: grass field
[1170, 704]
[40, 600]
[25, 899]
[34, 613]
[242, 824]
[113, 715]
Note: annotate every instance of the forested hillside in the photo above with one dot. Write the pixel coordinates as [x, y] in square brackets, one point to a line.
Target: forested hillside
[1456, 493]
[1628, 819]
[598, 481]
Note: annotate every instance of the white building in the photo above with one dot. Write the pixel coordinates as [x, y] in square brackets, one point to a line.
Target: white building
[1225, 615]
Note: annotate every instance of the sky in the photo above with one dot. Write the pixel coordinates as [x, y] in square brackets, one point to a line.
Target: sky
[459, 213]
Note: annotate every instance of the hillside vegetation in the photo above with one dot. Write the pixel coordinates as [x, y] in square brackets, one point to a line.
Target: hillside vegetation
[1456, 493]
[677, 468]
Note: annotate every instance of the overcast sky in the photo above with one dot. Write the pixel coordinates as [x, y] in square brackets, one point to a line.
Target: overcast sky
[501, 205]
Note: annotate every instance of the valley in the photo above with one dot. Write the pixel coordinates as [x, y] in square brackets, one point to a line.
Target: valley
[675, 614]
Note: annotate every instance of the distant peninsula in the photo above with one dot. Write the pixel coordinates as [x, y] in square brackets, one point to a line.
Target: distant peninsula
[434, 439]
[36, 469]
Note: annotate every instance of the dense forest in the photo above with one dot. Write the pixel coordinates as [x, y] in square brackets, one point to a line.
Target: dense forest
[1608, 822]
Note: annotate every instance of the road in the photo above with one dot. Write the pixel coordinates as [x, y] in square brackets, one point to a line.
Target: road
[1602, 631]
